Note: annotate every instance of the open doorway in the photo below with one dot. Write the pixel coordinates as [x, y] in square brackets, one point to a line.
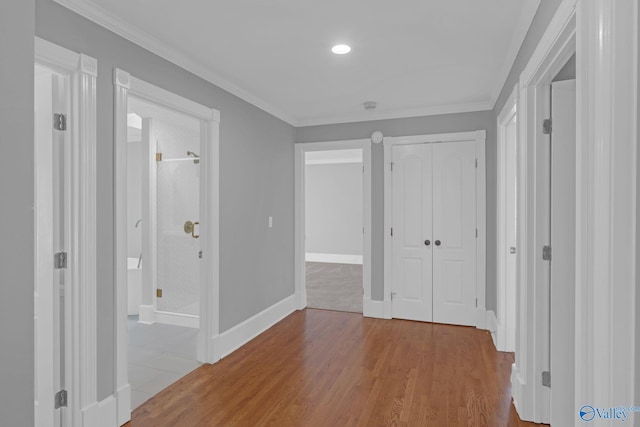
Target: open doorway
[163, 246]
[334, 229]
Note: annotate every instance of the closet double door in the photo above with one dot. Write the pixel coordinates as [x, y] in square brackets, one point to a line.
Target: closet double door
[434, 232]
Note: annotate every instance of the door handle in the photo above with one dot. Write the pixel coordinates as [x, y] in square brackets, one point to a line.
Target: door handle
[193, 230]
[190, 227]
[427, 242]
[437, 242]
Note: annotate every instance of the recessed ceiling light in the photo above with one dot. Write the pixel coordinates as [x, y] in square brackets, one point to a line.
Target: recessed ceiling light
[341, 49]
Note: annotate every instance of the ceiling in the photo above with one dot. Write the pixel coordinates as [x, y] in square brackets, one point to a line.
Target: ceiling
[413, 57]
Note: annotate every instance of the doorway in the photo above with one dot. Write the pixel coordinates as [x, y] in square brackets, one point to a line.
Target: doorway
[334, 229]
[333, 225]
[507, 256]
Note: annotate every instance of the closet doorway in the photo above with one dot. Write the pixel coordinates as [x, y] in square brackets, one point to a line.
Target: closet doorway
[436, 228]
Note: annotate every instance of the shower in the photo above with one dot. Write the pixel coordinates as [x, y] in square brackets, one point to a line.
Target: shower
[195, 156]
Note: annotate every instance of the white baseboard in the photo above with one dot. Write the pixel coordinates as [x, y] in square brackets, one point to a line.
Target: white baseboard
[147, 314]
[178, 319]
[517, 390]
[101, 414]
[333, 258]
[492, 326]
[481, 318]
[373, 308]
[234, 338]
[123, 400]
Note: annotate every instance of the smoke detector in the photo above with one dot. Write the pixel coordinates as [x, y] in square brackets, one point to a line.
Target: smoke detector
[370, 105]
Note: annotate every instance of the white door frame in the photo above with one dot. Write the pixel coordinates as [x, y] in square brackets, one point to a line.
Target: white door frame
[477, 136]
[125, 84]
[506, 324]
[531, 398]
[299, 258]
[80, 282]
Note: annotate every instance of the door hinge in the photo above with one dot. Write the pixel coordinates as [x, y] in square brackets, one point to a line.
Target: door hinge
[546, 378]
[362, 169]
[60, 399]
[393, 294]
[476, 233]
[158, 157]
[158, 293]
[59, 121]
[391, 166]
[60, 260]
[391, 231]
[476, 302]
[547, 126]
[476, 163]
[546, 253]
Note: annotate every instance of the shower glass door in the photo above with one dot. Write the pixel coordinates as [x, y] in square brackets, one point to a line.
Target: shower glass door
[178, 228]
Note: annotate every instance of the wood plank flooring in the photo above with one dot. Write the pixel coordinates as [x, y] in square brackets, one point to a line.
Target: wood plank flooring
[327, 368]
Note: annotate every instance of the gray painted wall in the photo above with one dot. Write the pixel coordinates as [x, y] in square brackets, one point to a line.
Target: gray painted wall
[256, 178]
[333, 198]
[16, 227]
[414, 126]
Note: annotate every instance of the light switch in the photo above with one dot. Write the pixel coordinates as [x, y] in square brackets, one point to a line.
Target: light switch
[270, 222]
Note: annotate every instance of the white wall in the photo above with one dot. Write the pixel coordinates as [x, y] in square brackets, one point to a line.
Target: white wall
[333, 205]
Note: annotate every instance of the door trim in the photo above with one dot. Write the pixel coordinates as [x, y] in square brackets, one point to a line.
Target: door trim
[531, 399]
[505, 324]
[299, 246]
[477, 136]
[80, 290]
[125, 84]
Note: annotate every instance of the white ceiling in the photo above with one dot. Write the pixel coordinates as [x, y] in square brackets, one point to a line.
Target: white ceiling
[413, 57]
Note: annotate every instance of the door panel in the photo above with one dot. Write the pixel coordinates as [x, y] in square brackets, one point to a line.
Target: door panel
[412, 259]
[563, 207]
[454, 225]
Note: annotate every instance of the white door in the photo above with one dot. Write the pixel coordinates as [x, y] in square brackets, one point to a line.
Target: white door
[412, 236]
[510, 233]
[51, 92]
[563, 198]
[454, 233]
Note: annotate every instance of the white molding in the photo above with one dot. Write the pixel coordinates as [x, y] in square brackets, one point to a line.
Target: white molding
[506, 327]
[400, 113]
[527, 14]
[101, 414]
[177, 319]
[105, 19]
[80, 290]
[479, 137]
[234, 338]
[333, 258]
[532, 341]
[299, 206]
[333, 161]
[492, 326]
[123, 404]
[373, 308]
[606, 217]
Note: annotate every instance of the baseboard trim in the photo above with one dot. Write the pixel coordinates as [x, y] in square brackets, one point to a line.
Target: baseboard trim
[147, 314]
[517, 390]
[234, 338]
[372, 308]
[101, 414]
[492, 326]
[123, 400]
[333, 258]
[481, 318]
[178, 319]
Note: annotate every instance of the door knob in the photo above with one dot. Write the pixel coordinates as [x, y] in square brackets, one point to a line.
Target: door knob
[427, 242]
[437, 242]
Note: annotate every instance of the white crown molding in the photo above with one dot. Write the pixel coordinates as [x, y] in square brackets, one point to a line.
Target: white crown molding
[397, 114]
[527, 14]
[113, 23]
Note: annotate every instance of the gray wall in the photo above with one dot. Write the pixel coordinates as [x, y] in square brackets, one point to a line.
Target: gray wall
[637, 356]
[414, 126]
[256, 178]
[16, 227]
[333, 198]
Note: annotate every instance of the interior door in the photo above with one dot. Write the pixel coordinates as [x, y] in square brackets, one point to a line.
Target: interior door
[454, 227]
[510, 230]
[563, 208]
[412, 232]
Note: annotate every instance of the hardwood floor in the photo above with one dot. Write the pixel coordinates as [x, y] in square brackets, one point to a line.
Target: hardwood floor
[326, 368]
